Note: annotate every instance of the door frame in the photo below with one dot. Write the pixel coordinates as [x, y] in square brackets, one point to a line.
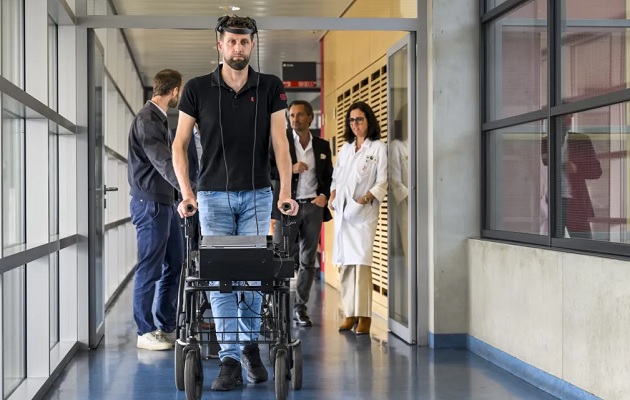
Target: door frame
[407, 333]
[96, 227]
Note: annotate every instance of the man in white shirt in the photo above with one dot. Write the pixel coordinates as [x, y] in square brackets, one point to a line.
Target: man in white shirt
[310, 187]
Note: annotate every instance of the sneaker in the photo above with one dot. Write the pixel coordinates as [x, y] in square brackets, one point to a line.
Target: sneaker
[153, 341]
[250, 359]
[302, 318]
[170, 337]
[230, 375]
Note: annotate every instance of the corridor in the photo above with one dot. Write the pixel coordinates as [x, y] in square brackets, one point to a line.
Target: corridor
[336, 366]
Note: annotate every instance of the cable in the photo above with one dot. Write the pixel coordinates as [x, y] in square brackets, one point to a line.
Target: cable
[227, 175]
[255, 132]
[220, 29]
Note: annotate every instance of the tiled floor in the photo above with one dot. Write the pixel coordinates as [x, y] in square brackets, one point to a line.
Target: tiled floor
[336, 366]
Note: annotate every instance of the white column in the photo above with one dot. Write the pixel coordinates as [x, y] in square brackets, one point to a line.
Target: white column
[454, 165]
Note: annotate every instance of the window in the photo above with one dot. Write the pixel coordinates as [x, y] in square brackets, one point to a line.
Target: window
[516, 56]
[490, 4]
[14, 329]
[54, 298]
[13, 173]
[53, 181]
[53, 80]
[594, 48]
[555, 132]
[13, 41]
[594, 170]
[516, 192]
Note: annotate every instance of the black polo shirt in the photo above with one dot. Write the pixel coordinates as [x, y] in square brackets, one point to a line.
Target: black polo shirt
[235, 117]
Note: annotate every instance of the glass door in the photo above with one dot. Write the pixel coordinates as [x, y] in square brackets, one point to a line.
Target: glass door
[401, 193]
[96, 201]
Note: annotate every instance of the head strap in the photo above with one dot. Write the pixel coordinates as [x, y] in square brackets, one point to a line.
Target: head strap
[221, 26]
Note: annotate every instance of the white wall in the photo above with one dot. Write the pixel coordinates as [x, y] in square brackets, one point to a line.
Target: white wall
[566, 314]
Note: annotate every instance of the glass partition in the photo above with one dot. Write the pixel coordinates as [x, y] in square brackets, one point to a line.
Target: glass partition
[401, 201]
[13, 328]
[13, 183]
[593, 194]
[594, 49]
[516, 176]
[13, 41]
[516, 59]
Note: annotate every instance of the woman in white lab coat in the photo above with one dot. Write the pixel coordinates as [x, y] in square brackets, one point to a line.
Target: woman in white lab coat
[358, 188]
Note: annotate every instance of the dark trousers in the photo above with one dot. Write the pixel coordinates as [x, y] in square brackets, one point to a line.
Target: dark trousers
[575, 218]
[160, 259]
[303, 240]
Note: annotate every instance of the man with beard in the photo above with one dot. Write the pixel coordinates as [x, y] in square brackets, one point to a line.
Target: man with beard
[312, 174]
[238, 111]
[154, 214]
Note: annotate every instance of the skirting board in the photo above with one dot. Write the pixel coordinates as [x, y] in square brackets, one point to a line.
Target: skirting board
[447, 340]
[527, 372]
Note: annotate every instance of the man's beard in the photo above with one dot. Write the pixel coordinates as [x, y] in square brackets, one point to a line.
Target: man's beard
[238, 65]
[172, 103]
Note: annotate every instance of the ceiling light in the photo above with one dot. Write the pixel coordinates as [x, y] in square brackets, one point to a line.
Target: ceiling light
[229, 8]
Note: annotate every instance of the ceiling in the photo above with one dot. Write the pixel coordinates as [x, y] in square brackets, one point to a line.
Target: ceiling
[269, 8]
[193, 52]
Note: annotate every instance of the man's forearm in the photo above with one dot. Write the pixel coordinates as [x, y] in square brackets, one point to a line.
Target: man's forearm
[283, 163]
[180, 165]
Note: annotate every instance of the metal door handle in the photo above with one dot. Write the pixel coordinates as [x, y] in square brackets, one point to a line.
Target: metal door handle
[110, 189]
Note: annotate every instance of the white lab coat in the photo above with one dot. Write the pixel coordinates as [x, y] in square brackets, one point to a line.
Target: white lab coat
[354, 175]
[399, 176]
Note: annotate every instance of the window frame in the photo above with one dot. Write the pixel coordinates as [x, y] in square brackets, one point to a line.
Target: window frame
[555, 109]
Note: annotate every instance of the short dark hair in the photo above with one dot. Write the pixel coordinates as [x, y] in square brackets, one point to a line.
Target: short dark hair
[307, 106]
[374, 128]
[165, 81]
[239, 22]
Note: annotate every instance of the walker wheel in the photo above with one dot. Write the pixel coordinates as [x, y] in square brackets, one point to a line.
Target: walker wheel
[296, 376]
[281, 381]
[193, 375]
[179, 366]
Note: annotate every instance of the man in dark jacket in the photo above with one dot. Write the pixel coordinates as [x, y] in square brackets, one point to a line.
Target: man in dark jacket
[154, 214]
[578, 163]
[310, 187]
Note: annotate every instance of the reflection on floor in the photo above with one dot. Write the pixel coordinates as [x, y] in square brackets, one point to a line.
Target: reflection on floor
[336, 366]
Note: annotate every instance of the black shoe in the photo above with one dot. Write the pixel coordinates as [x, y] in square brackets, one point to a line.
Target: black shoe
[302, 318]
[250, 359]
[230, 375]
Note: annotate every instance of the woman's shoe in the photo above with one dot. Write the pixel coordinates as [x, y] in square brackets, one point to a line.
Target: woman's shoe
[363, 328]
[348, 324]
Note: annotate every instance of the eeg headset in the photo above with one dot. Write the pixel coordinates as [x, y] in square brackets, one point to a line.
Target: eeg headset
[253, 30]
[240, 31]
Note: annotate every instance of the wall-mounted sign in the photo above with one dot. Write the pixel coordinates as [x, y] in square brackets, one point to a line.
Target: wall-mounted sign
[299, 74]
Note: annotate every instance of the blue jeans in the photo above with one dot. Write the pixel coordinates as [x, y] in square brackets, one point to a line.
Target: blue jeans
[160, 259]
[238, 217]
